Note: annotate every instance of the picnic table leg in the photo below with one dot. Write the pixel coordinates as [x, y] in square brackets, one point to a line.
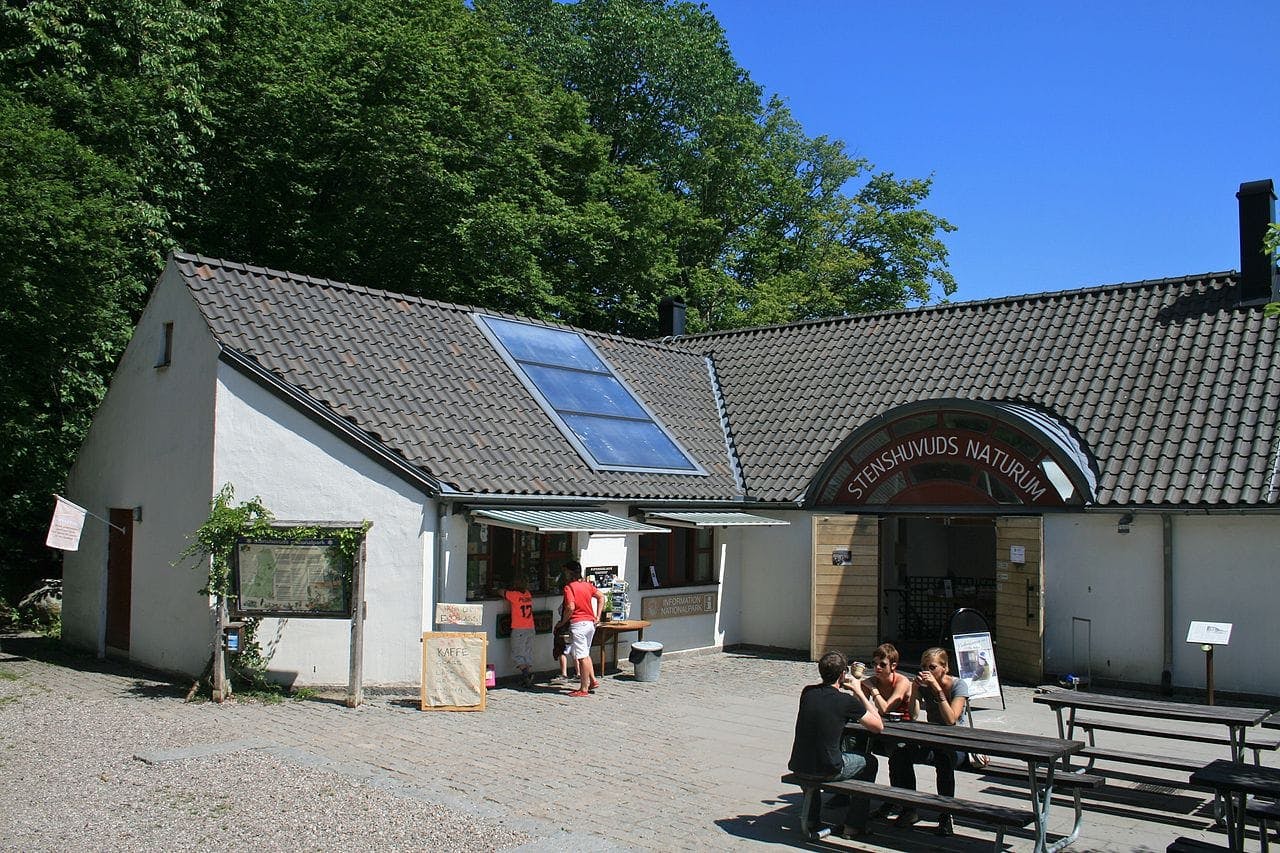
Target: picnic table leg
[1041, 800]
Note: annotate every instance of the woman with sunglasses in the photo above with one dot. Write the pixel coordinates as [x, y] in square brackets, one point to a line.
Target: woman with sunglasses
[943, 699]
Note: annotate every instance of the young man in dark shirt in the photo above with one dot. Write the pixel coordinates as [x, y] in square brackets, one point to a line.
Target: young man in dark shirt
[817, 750]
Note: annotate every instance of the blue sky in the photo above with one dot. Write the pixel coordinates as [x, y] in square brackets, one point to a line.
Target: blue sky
[1071, 144]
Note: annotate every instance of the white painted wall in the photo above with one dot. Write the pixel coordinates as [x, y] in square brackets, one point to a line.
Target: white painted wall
[150, 446]
[1113, 580]
[302, 471]
[1224, 570]
[777, 582]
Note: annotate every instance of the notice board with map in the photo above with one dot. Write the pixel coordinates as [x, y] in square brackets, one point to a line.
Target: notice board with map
[307, 577]
[453, 671]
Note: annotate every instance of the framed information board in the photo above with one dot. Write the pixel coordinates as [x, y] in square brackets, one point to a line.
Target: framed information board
[453, 671]
[305, 577]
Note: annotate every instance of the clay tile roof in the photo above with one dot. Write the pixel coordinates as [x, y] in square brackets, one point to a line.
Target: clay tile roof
[419, 378]
[1170, 385]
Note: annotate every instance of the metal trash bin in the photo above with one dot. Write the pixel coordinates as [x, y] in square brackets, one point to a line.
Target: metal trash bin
[646, 657]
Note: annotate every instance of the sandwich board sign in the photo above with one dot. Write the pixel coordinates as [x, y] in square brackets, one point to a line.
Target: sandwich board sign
[453, 671]
[976, 663]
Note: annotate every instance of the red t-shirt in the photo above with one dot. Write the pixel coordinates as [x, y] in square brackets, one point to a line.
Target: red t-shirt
[578, 597]
[521, 608]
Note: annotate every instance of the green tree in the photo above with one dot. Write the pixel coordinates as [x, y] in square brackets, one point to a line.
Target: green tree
[102, 117]
[70, 244]
[1272, 245]
[763, 225]
[402, 145]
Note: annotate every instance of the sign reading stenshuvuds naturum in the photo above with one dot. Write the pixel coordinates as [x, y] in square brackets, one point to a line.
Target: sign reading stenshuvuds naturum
[306, 577]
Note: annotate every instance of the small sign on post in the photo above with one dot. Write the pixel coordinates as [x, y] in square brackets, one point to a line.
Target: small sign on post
[1208, 635]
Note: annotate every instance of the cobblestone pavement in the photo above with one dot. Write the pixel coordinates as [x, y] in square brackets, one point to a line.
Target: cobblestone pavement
[690, 762]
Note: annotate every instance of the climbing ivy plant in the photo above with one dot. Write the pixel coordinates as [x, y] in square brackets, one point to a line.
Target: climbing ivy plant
[214, 543]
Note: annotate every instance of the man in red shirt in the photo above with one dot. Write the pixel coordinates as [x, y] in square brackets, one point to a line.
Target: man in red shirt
[584, 604]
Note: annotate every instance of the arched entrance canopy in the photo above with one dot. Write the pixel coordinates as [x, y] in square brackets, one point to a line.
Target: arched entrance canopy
[953, 452]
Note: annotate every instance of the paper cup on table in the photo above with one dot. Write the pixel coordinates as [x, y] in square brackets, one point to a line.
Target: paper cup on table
[858, 669]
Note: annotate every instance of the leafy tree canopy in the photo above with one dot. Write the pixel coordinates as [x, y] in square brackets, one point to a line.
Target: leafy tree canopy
[768, 229]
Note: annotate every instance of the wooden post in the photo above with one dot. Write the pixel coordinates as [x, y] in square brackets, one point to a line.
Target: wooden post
[355, 679]
[1208, 669]
[220, 688]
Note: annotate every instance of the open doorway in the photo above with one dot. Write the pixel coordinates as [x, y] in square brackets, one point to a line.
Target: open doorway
[930, 566]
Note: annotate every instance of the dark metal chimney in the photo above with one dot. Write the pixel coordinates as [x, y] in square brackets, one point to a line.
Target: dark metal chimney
[1258, 278]
[671, 316]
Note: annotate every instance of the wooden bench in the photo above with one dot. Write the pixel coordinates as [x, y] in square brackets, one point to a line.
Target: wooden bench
[1265, 812]
[998, 817]
[1257, 743]
[1062, 779]
[1193, 845]
[1146, 759]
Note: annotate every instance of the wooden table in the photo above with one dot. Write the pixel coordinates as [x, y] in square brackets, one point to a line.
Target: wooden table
[1042, 755]
[1235, 781]
[607, 632]
[1235, 719]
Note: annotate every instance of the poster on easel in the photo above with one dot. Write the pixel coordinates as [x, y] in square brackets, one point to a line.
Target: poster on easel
[976, 663]
[453, 671]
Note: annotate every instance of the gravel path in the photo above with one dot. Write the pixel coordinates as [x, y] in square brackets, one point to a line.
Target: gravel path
[73, 781]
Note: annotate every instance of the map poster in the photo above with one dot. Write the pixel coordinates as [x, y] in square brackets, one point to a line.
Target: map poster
[291, 578]
[453, 671]
[976, 663]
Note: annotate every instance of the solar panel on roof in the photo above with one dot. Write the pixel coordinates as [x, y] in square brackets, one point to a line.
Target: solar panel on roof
[594, 409]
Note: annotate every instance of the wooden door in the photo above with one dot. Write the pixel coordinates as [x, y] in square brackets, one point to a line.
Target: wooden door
[845, 596]
[1020, 598]
[119, 578]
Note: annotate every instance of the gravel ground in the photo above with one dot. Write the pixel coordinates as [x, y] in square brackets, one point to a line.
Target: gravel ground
[72, 782]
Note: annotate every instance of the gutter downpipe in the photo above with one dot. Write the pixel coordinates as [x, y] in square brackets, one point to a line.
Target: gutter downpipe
[437, 587]
[1166, 676]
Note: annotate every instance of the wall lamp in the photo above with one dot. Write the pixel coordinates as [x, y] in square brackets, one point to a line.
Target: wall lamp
[1122, 526]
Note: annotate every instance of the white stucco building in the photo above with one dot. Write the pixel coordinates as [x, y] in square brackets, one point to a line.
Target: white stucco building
[1092, 469]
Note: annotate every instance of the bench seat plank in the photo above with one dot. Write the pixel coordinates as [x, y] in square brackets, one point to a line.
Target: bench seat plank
[983, 812]
[1253, 741]
[1167, 762]
[1265, 809]
[1061, 778]
[1183, 844]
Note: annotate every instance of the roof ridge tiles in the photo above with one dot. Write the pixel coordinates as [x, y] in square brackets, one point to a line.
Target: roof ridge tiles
[922, 310]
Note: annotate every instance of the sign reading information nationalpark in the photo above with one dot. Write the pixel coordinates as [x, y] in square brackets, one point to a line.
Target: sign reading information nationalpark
[297, 578]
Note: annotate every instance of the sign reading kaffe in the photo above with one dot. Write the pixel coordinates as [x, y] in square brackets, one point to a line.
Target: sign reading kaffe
[944, 466]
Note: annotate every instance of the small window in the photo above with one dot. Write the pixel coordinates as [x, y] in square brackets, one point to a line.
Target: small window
[166, 348]
[495, 555]
[684, 557]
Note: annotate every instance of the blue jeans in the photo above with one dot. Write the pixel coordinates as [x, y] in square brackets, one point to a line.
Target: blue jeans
[857, 765]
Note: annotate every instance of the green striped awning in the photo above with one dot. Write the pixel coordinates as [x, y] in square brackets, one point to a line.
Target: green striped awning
[561, 521]
[711, 519]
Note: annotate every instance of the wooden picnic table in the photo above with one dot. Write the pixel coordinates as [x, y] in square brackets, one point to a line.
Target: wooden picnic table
[607, 632]
[1040, 754]
[1237, 720]
[1235, 781]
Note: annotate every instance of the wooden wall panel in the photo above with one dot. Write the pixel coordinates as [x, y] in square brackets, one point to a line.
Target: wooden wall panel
[845, 599]
[1020, 599]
